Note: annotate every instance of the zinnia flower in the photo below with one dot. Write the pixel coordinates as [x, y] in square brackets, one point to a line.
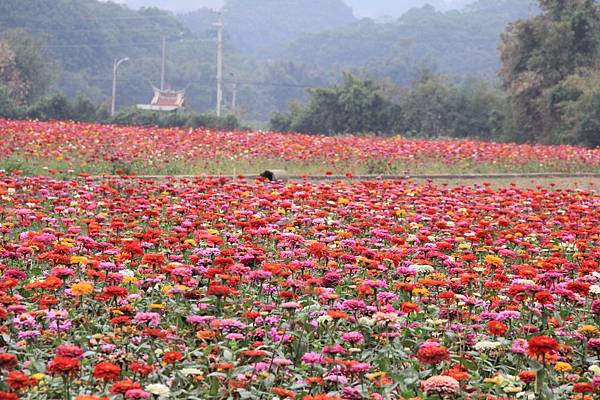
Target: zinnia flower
[60, 365]
[539, 346]
[432, 354]
[107, 371]
[7, 361]
[441, 385]
[171, 357]
[158, 389]
[17, 380]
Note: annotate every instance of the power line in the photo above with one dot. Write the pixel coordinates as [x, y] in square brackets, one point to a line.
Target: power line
[89, 29]
[96, 45]
[124, 18]
[210, 81]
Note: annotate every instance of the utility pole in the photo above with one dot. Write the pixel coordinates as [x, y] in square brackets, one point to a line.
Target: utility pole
[219, 26]
[164, 58]
[233, 92]
[234, 97]
[114, 87]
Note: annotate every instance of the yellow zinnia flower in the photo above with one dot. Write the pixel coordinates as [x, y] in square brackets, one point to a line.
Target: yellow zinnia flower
[562, 367]
[81, 288]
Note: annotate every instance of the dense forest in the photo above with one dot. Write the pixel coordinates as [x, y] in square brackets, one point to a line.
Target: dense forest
[458, 44]
[272, 62]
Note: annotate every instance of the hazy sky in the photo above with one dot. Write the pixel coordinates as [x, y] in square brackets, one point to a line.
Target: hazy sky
[362, 8]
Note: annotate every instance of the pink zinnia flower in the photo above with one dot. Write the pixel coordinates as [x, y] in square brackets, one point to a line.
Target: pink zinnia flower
[353, 337]
[440, 385]
[311, 358]
[137, 394]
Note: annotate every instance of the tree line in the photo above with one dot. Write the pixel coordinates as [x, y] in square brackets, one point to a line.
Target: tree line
[431, 107]
[550, 90]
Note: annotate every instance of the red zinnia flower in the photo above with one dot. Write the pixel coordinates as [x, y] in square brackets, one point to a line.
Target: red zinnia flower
[171, 357]
[115, 291]
[17, 380]
[107, 371]
[527, 376]
[219, 290]
[141, 368]
[90, 397]
[121, 387]
[63, 365]
[320, 397]
[497, 328]
[254, 353]
[69, 350]
[432, 354]
[284, 393]
[7, 361]
[544, 297]
[583, 387]
[541, 345]
[8, 396]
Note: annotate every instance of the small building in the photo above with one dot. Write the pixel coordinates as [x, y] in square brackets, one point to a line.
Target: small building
[165, 101]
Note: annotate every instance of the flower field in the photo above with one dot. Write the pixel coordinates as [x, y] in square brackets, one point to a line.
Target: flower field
[42, 147]
[125, 288]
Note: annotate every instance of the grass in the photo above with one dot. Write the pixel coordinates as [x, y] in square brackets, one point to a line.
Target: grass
[586, 183]
[35, 166]
[223, 166]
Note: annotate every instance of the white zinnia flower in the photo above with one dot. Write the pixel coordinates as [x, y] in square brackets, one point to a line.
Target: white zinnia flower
[158, 389]
[487, 345]
[191, 371]
[422, 268]
[595, 289]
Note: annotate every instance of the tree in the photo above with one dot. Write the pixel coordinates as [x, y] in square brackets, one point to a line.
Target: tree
[480, 111]
[11, 79]
[577, 100]
[428, 108]
[8, 107]
[539, 55]
[31, 70]
[355, 106]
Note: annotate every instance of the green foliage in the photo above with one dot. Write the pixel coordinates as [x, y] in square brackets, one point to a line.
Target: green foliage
[577, 100]
[430, 108]
[132, 116]
[8, 107]
[82, 38]
[35, 71]
[544, 60]
[58, 107]
[355, 106]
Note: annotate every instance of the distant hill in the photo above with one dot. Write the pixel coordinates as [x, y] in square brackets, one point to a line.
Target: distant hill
[264, 28]
[378, 8]
[274, 49]
[362, 8]
[457, 43]
[82, 38]
[177, 6]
